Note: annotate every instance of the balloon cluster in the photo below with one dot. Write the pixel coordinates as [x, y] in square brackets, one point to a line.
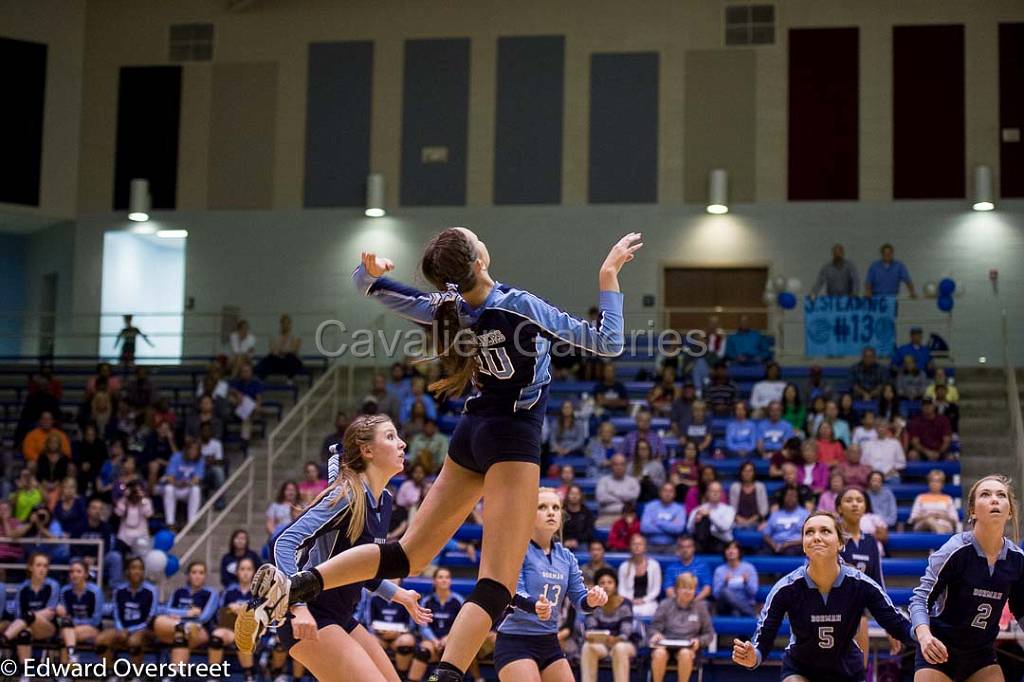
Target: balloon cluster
[943, 293]
[782, 290]
[156, 556]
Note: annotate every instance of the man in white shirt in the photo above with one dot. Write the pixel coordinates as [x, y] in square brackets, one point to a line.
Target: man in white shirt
[711, 523]
[613, 490]
[885, 454]
[866, 430]
[768, 389]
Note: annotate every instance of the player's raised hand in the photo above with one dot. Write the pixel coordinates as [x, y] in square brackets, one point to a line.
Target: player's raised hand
[543, 608]
[623, 251]
[744, 653]
[376, 265]
[410, 599]
[596, 596]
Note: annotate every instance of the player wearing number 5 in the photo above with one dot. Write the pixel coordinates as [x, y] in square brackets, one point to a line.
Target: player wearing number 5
[824, 599]
[956, 607]
[527, 648]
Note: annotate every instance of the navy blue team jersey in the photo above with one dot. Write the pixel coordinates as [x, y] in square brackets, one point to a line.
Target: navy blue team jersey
[443, 615]
[134, 608]
[555, 576]
[822, 645]
[961, 599]
[29, 600]
[85, 608]
[183, 599]
[514, 330]
[864, 557]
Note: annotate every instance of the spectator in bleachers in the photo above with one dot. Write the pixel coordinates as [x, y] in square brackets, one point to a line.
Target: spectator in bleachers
[104, 379]
[828, 449]
[685, 470]
[413, 488]
[836, 485]
[934, 511]
[35, 441]
[950, 411]
[39, 399]
[417, 394]
[682, 407]
[838, 276]
[613, 489]
[815, 415]
[644, 431]
[69, 507]
[840, 426]
[340, 424]
[27, 494]
[417, 422]
[640, 577]
[126, 472]
[814, 473]
[663, 520]
[246, 393]
[790, 452]
[865, 431]
[749, 497]
[134, 508]
[681, 618]
[212, 452]
[792, 478]
[916, 349]
[648, 471]
[885, 275]
[238, 549]
[241, 346]
[10, 528]
[930, 434]
[793, 410]
[885, 453]
[746, 346]
[952, 394]
[311, 485]
[284, 353]
[769, 389]
[95, 527]
[99, 409]
[883, 501]
[854, 472]
[280, 511]
[688, 562]
[867, 376]
[735, 584]
[205, 413]
[89, 454]
[140, 392]
[889, 404]
[740, 432]
[773, 432]
[566, 477]
[163, 412]
[625, 527]
[51, 470]
[695, 495]
[568, 434]
[183, 481]
[610, 394]
[616, 616]
[817, 387]
[600, 449]
[721, 392]
[430, 447]
[387, 403]
[697, 429]
[711, 523]
[42, 525]
[578, 526]
[663, 394]
[596, 562]
[156, 455]
[782, 531]
[911, 382]
[399, 384]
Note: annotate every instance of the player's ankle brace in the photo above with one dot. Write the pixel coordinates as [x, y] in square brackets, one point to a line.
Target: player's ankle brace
[393, 562]
[491, 596]
[446, 672]
[305, 585]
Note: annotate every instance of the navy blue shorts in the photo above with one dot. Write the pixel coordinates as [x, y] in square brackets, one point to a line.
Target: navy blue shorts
[849, 669]
[961, 664]
[287, 639]
[482, 440]
[542, 649]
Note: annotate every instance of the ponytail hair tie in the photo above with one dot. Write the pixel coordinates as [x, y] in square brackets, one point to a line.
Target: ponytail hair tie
[452, 287]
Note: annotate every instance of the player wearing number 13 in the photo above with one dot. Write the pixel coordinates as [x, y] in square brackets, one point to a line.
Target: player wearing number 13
[957, 606]
[824, 600]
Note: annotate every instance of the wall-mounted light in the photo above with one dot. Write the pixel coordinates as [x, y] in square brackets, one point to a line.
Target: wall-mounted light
[375, 196]
[718, 191]
[983, 189]
[172, 234]
[138, 200]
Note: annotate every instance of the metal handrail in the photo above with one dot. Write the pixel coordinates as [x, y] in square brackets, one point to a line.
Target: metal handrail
[213, 525]
[1013, 399]
[100, 552]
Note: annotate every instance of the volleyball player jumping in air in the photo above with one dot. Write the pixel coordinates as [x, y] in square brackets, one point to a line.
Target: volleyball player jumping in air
[499, 337]
[824, 599]
[957, 606]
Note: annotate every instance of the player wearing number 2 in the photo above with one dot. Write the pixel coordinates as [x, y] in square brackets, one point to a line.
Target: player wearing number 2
[956, 608]
[527, 648]
[824, 599]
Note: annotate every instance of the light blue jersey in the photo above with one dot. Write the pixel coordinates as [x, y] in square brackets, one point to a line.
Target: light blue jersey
[556, 576]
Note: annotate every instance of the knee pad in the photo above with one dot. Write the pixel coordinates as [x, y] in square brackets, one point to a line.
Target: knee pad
[421, 654]
[24, 637]
[278, 647]
[179, 635]
[491, 596]
[404, 650]
[64, 622]
[30, 618]
[393, 562]
[216, 643]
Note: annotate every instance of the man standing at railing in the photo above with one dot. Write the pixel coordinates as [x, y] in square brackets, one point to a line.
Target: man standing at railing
[885, 275]
[838, 276]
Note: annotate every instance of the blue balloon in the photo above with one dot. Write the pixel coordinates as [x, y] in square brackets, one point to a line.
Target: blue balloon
[172, 565]
[946, 287]
[945, 303]
[787, 300]
[163, 540]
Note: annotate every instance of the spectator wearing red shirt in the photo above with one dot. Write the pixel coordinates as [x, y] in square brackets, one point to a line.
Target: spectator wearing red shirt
[930, 433]
[624, 528]
[830, 450]
[854, 473]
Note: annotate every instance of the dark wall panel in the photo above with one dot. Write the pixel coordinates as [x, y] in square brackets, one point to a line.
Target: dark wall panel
[23, 84]
[435, 114]
[338, 102]
[823, 111]
[624, 128]
[928, 112]
[528, 130]
[1011, 109]
[148, 116]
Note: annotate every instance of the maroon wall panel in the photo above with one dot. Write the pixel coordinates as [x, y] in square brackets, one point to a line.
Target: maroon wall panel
[1011, 108]
[823, 109]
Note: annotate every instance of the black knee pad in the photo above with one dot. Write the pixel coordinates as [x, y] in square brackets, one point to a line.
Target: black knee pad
[30, 618]
[216, 643]
[179, 635]
[24, 637]
[421, 654]
[491, 596]
[64, 622]
[404, 650]
[393, 562]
